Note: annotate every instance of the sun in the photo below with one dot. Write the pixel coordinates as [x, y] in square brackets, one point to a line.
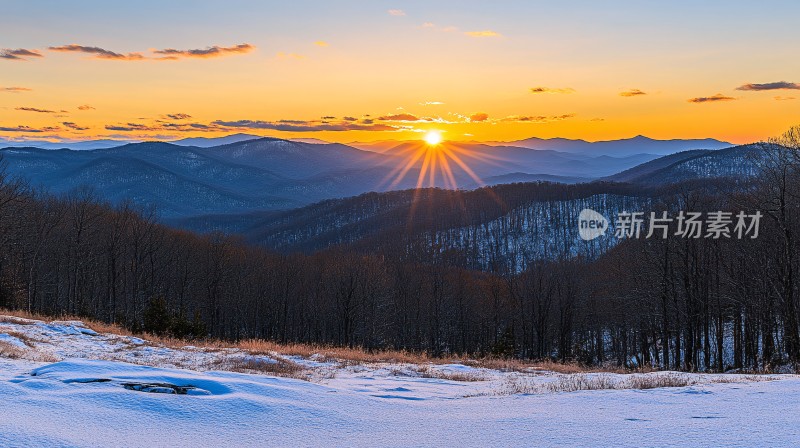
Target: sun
[433, 138]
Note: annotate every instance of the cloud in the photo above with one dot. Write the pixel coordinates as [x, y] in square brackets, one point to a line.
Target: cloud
[632, 92]
[288, 56]
[131, 127]
[780, 85]
[187, 127]
[537, 118]
[396, 12]
[486, 33]
[428, 25]
[399, 117]
[20, 54]
[431, 103]
[480, 116]
[28, 129]
[73, 126]
[537, 90]
[34, 109]
[15, 89]
[784, 98]
[178, 116]
[321, 43]
[100, 53]
[86, 107]
[299, 126]
[208, 52]
[710, 99]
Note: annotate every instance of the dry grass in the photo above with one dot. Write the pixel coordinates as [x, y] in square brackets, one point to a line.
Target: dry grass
[742, 379]
[8, 350]
[658, 381]
[25, 339]
[14, 320]
[430, 372]
[516, 365]
[276, 366]
[600, 381]
[14, 316]
[325, 353]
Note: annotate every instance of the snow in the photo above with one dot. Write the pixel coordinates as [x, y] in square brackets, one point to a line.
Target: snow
[113, 390]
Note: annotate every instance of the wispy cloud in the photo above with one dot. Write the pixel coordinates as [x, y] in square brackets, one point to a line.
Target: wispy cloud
[784, 98]
[711, 99]
[431, 103]
[131, 127]
[99, 53]
[321, 43]
[549, 90]
[86, 107]
[478, 117]
[169, 54]
[396, 12]
[537, 118]
[304, 126]
[178, 116]
[20, 54]
[209, 52]
[399, 117]
[193, 127]
[28, 129]
[485, 33]
[34, 109]
[780, 85]
[632, 92]
[15, 89]
[73, 126]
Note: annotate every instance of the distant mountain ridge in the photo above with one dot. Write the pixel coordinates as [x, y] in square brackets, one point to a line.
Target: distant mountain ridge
[250, 173]
[636, 145]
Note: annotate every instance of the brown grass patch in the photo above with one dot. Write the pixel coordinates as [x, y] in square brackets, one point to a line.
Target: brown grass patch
[599, 381]
[581, 381]
[25, 339]
[15, 316]
[276, 366]
[14, 320]
[742, 379]
[658, 381]
[324, 353]
[430, 372]
[8, 350]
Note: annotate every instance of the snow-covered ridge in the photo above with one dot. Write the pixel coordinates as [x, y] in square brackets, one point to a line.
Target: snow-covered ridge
[64, 384]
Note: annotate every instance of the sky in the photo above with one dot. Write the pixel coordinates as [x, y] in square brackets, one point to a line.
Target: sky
[375, 70]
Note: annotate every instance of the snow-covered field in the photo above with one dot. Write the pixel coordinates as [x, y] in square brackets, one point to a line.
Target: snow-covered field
[62, 384]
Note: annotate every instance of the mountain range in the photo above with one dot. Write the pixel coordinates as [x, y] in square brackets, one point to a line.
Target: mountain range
[241, 173]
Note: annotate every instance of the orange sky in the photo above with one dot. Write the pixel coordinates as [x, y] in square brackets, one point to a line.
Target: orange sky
[378, 71]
